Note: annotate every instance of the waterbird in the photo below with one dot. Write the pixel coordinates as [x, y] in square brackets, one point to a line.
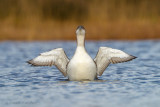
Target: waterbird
[81, 67]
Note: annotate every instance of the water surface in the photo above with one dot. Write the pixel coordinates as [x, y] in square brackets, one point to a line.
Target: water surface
[131, 84]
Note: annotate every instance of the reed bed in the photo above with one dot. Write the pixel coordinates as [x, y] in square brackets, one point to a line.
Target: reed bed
[58, 19]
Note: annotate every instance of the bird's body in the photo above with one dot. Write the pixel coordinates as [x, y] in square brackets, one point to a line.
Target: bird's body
[81, 66]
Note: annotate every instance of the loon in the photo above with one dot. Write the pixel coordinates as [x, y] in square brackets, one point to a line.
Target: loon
[81, 67]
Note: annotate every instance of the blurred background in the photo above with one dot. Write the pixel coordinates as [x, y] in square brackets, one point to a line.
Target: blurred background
[58, 19]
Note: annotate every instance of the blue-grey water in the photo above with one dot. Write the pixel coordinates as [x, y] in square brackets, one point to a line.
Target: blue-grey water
[130, 84]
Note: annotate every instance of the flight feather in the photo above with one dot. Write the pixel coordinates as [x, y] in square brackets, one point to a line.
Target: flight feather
[55, 57]
[106, 55]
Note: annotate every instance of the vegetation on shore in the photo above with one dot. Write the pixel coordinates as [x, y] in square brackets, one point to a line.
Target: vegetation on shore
[58, 19]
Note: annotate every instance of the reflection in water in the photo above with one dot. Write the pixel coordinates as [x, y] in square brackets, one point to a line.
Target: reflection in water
[132, 84]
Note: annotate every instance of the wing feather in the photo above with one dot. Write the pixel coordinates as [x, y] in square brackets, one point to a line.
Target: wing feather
[55, 57]
[106, 55]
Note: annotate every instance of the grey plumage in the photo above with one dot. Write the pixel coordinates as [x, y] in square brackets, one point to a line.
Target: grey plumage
[106, 55]
[55, 57]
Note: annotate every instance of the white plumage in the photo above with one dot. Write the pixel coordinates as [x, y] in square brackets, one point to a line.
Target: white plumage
[81, 66]
[106, 55]
[55, 57]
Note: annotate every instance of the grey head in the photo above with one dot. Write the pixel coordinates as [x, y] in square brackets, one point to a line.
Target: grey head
[80, 31]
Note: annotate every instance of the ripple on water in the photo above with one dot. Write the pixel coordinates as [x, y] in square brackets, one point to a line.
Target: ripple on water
[131, 84]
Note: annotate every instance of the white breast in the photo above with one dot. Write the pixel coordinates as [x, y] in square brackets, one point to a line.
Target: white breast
[81, 66]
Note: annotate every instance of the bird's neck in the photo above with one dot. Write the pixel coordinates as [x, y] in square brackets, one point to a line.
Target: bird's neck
[81, 41]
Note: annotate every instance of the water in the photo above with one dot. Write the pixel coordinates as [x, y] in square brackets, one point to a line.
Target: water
[131, 84]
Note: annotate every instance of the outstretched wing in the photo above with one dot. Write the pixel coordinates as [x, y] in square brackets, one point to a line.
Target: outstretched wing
[106, 55]
[55, 57]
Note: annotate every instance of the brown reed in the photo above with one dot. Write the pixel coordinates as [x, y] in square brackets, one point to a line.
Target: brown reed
[58, 19]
